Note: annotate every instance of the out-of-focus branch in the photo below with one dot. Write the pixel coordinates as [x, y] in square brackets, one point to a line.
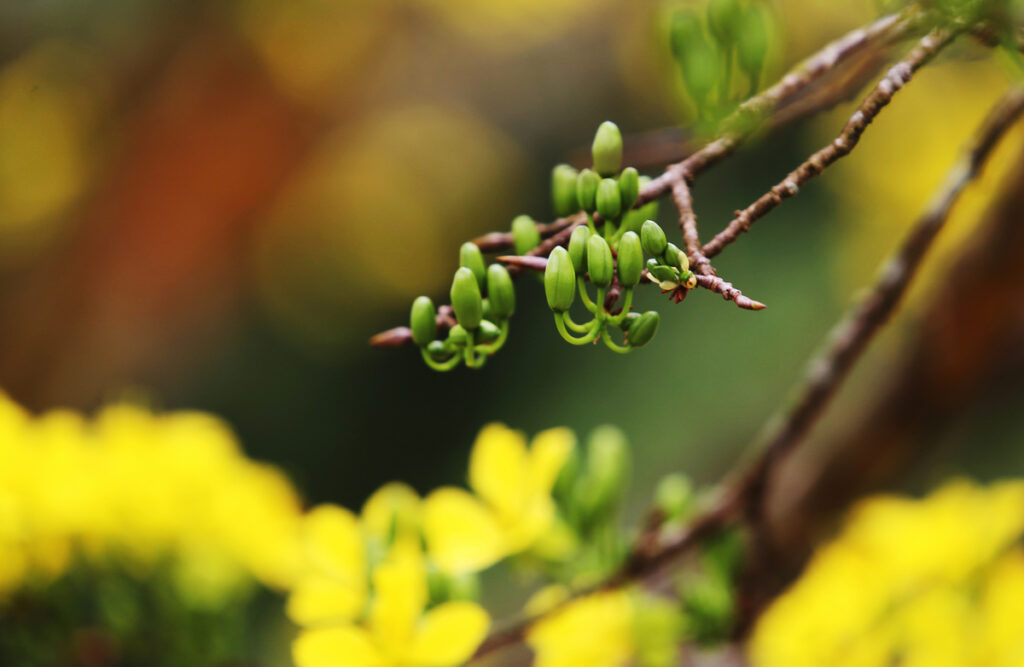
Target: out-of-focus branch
[741, 496]
[967, 334]
[883, 92]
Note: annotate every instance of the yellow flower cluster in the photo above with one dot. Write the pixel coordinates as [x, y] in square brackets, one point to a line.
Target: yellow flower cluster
[364, 596]
[141, 489]
[931, 582]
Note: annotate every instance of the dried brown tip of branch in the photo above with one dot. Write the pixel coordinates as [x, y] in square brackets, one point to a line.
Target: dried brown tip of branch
[396, 337]
[399, 336]
[728, 292]
[883, 92]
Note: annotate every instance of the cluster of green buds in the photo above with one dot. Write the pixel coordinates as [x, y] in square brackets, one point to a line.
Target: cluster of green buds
[483, 299]
[610, 256]
[603, 189]
[740, 32]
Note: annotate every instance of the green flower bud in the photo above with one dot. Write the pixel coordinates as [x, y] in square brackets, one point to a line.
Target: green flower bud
[628, 321]
[700, 67]
[662, 273]
[709, 605]
[684, 28]
[436, 350]
[578, 247]
[629, 186]
[488, 332]
[607, 149]
[723, 19]
[458, 335]
[465, 586]
[633, 219]
[753, 39]
[674, 496]
[599, 261]
[471, 258]
[643, 329]
[466, 300]
[423, 320]
[525, 236]
[586, 189]
[631, 259]
[500, 292]
[568, 476]
[671, 255]
[607, 469]
[609, 201]
[653, 238]
[559, 280]
[563, 190]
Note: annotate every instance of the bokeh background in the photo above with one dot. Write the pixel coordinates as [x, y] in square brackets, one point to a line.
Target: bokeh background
[215, 205]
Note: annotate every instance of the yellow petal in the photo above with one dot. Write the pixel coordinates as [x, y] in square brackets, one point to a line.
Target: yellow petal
[449, 634]
[344, 646]
[462, 534]
[334, 543]
[400, 594]
[317, 598]
[392, 507]
[498, 468]
[548, 453]
[527, 528]
[596, 630]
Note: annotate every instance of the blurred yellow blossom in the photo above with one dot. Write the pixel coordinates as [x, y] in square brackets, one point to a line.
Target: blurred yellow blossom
[397, 630]
[140, 489]
[939, 581]
[596, 630]
[512, 507]
[394, 508]
[334, 585]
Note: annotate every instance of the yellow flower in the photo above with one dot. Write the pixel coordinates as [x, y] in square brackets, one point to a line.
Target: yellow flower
[596, 631]
[393, 509]
[145, 488]
[398, 631]
[512, 507]
[923, 582]
[334, 586]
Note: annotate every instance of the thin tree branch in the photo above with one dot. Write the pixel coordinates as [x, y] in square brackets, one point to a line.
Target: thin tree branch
[883, 92]
[740, 125]
[688, 225]
[707, 276]
[741, 494]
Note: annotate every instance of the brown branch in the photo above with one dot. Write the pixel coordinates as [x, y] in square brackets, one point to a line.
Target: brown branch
[849, 338]
[741, 495]
[728, 292]
[741, 125]
[883, 92]
[706, 275]
[688, 225]
[964, 348]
